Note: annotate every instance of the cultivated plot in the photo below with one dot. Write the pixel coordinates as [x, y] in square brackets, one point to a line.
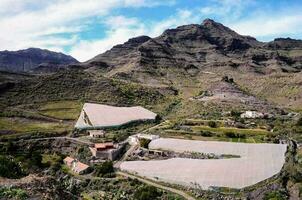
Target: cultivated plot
[257, 162]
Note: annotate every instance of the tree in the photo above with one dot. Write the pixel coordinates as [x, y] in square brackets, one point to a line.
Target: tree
[9, 168]
[299, 122]
[144, 142]
[104, 169]
[147, 193]
[212, 124]
[36, 159]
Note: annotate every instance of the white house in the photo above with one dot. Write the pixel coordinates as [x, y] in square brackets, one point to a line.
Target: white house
[96, 133]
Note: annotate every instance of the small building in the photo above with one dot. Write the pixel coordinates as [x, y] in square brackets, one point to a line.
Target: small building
[75, 165]
[96, 133]
[252, 115]
[107, 151]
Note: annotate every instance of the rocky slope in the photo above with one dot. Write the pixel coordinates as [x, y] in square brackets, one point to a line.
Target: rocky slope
[195, 47]
[33, 59]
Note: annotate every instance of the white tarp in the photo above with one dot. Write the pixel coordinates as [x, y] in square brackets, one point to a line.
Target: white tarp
[257, 162]
[110, 116]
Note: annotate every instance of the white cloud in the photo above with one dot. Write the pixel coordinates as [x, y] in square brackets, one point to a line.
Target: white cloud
[121, 28]
[263, 26]
[57, 24]
[26, 23]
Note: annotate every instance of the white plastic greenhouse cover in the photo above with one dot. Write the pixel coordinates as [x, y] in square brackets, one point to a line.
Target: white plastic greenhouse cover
[257, 162]
[110, 116]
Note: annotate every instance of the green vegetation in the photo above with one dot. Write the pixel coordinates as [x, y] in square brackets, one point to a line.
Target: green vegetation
[275, 195]
[53, 161]
[212, 124]
[65, 110]
[105, 169]
[12, 193]
[10, 168]
[299, 122]
[147, 193]
[79, 85]
[235, 135]
[229, 129]
[25, 125]
[144, 143]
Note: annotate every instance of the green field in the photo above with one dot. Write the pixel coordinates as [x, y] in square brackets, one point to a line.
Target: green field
[24, 125]
[64, 110]
[228, 129]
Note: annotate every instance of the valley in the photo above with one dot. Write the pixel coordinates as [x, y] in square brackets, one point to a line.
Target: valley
[195, 85]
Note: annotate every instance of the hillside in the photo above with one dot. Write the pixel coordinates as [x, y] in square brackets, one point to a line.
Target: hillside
[189, 57]
[196, 47]
[33, 59]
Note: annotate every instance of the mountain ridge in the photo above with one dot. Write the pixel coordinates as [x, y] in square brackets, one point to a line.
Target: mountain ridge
[33, 59]
[198, 46]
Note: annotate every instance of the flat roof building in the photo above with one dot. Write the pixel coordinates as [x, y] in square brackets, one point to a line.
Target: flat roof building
[107, 150]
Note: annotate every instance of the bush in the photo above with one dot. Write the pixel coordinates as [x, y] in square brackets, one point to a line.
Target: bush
[144, 142]
[147, 193]
[212, 124]
[275, 195]
[235, 135]
[12, 193]
[105, 169]
[206, 133]
[299, 122]
[9, 168]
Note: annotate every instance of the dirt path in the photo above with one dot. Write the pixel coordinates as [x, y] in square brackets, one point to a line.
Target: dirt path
[65, 138]
[6, 182]
[176, 191]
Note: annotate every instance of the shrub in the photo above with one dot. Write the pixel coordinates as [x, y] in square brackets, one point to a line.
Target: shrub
[105, 169]
[230, 134]
[212, 124]
[144, 142]
[299, 122]
[147, 193]
[235, 135]
[206, 133]
[275, 195]
[9, 168]
[12, 193]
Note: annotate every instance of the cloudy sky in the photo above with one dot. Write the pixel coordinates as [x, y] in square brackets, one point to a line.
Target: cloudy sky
[85, 28]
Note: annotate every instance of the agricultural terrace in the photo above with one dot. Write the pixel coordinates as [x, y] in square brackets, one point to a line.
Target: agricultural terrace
[257, 162]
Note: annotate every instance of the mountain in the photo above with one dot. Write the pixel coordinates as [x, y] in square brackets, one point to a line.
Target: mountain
[196, 56]
[196, 47]
[183, 62]
[33, 59]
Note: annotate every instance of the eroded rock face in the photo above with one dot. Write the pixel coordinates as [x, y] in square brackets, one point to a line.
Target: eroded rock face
[30, 59]
[209, 44]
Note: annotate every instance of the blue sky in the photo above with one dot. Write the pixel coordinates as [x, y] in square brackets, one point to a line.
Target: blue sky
[85, 28]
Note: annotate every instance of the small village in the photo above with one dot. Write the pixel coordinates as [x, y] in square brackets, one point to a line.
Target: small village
[93, 122]
[147, 155]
